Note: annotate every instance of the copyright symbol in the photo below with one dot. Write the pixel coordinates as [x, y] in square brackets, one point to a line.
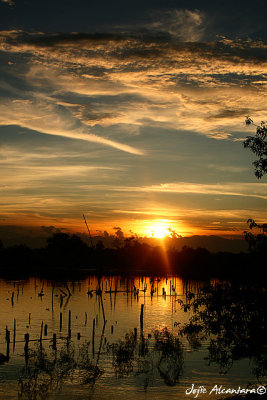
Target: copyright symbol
[261, 390]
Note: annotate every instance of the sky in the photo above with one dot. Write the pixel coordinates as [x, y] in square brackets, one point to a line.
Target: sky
[132, 113]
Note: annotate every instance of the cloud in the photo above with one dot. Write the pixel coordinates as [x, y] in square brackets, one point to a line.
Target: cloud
[181, 24]
[228, 168]
[175, 24]
[26, 169]
[45, 117]
[131, 91]
[136, 80]
[258, 190]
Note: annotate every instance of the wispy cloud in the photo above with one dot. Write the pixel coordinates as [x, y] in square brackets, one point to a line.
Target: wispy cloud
[143, 80]
[46, 118]
[225, 189]
[182, 24]
[179, 24]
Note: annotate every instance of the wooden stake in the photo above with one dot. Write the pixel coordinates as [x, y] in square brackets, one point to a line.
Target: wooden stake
[54, 346]
[69, 324]
[60, 322]
[93, 338]
[26, 348]
[7, 335]
[103, 311]
[14, 335]
[12, 299]
[41, 334]
[142, 317]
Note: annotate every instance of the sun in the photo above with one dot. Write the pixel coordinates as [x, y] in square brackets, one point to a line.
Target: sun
[159, 230]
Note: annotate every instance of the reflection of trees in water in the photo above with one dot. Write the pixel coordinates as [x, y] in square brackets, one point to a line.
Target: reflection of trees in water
[232, 317]
[164, 354]
[46, 372]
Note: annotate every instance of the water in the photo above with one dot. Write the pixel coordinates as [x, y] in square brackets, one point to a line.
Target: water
[80, 365]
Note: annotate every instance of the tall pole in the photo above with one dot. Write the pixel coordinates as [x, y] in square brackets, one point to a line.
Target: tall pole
[88, 231]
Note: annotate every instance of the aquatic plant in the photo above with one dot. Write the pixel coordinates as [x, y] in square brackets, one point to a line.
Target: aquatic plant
[46, 372]
[164, 354]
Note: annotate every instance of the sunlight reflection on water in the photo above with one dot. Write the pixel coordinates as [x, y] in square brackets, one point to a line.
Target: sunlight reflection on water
[34, 301]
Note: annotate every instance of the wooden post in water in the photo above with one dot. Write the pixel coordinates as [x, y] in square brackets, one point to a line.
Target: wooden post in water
[54, 346]
[45, 330]
[7, 335]
[142, 317]
[60, 322]
[69, 325]
[41, 334]
[26, 348]
[14, 335]
[12, 299]
[29, 318]
[7, 342]
[103, 311]
[93, 338]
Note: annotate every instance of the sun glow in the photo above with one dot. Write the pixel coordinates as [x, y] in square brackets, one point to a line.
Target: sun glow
[159, 229]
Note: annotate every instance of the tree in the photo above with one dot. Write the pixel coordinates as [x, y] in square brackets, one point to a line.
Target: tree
[257, 242]
[258, 145]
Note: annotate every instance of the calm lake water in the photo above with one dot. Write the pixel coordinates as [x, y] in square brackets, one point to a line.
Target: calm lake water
[90, 359]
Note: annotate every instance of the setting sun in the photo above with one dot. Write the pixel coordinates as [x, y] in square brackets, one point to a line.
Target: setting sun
[158, 230]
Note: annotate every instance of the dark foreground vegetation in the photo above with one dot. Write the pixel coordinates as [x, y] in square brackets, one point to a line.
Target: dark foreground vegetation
[66, 253]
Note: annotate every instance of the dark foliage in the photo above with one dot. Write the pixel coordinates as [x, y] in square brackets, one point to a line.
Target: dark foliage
[231, 317]
[258, 145]
[257, 242]
[68, 255]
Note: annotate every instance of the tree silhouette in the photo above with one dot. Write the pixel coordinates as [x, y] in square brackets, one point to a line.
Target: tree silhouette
[257, 242]
[258, 145]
